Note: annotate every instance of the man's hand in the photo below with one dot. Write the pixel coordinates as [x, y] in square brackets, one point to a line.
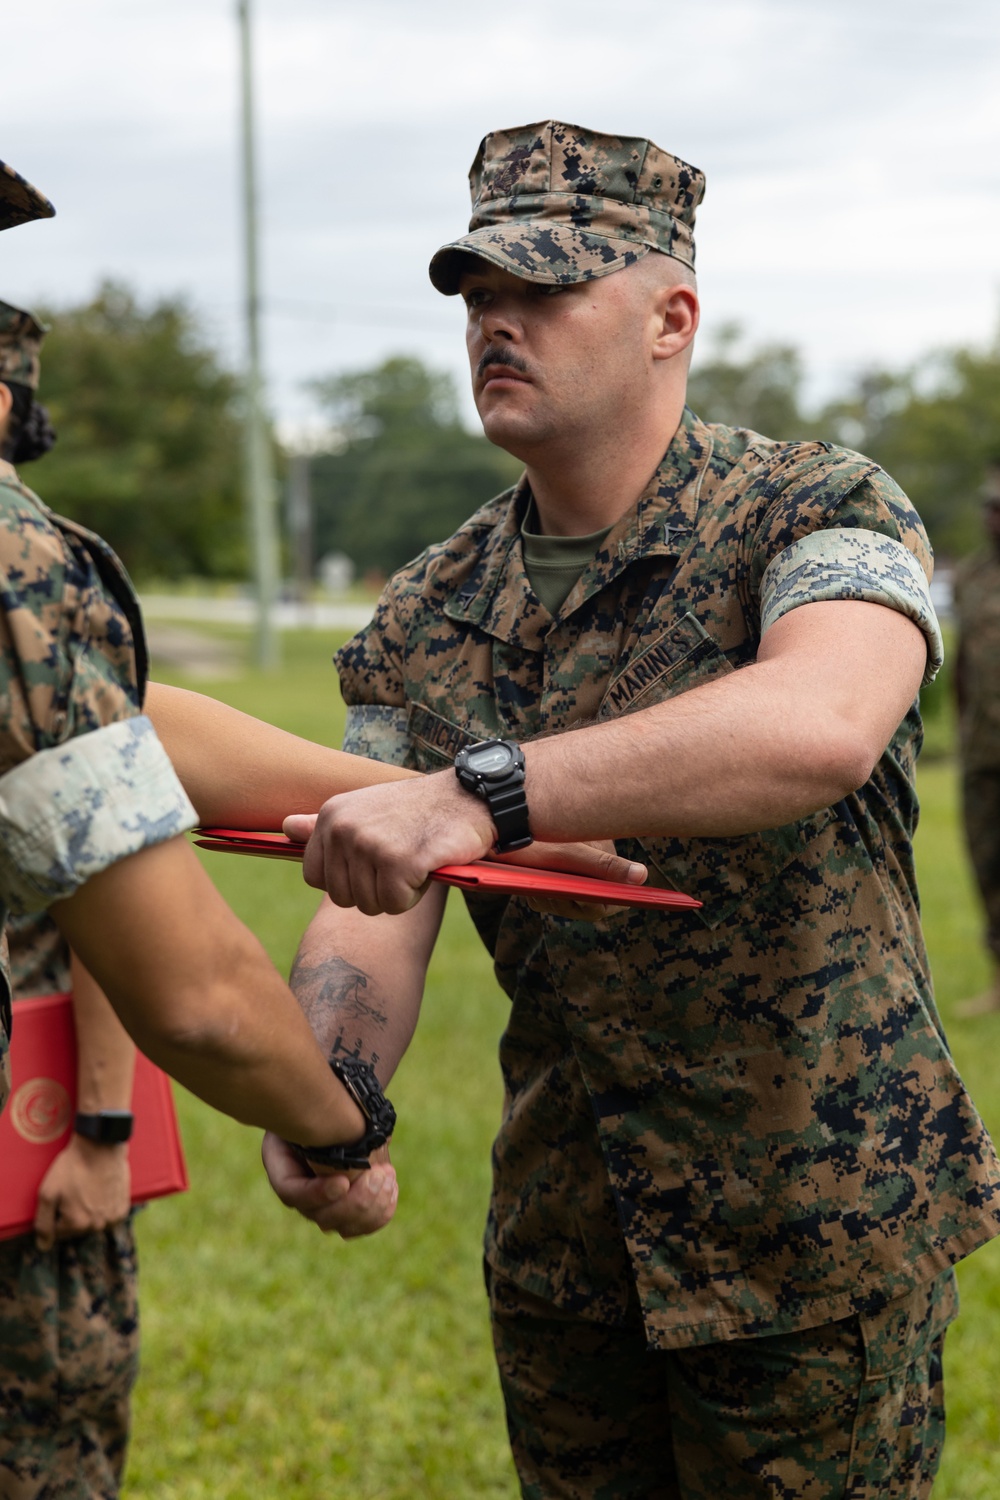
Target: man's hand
[375, 848]
[599, 860]
[87, 1187]
[335, 1203]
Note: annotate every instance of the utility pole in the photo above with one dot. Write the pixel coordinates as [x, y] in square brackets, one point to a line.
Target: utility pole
[259, 467]
[299, 514]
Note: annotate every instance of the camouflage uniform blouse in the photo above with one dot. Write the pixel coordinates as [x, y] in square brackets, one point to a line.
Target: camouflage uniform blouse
[83, 779]
[750, 1112]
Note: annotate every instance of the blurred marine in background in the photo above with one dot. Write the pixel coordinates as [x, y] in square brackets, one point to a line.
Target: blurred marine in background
[977, 684]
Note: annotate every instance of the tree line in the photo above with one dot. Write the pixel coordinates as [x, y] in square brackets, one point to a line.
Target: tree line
[933, 425]
[149, 450]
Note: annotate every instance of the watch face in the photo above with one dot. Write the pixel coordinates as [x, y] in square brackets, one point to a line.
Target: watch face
[489, 760]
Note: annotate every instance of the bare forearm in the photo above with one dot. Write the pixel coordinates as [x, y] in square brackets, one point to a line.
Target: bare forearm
[751, 750]
[105, 1051]
[241, 772]
[197, 992]
[263, 1069]
[726, 758]
[360, 980]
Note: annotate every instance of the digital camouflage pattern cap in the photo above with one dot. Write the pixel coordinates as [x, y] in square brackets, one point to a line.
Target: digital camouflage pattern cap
[21, 337]
[558, 203]
[19, 201]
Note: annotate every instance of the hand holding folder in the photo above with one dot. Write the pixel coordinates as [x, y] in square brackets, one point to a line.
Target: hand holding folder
[483, 875]
[38, 1120]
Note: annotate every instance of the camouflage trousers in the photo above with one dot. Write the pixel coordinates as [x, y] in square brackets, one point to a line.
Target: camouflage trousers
[981, 809]
[852, 1410]
[69, 1352]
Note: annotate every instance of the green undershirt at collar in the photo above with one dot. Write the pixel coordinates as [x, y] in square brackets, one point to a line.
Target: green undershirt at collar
[554, 563]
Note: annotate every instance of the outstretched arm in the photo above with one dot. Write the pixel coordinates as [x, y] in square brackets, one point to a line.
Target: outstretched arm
[197, 992]
[799, 729]
[241, 772]
[360, 982]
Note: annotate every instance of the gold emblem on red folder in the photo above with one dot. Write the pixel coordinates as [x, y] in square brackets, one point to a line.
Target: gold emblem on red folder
[40, 1110]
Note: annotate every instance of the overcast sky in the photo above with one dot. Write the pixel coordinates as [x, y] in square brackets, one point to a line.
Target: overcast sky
[851, 147]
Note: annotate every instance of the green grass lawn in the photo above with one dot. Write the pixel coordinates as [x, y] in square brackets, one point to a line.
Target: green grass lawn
[278, 1363]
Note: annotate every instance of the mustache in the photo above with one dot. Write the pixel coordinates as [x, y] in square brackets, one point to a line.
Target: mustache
[499, 354]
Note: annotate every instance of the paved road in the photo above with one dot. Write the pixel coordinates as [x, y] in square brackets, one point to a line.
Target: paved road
[331, 616]
[313, 616]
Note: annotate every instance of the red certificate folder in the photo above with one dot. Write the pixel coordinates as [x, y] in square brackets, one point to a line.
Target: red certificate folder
[38, 1119]
[491, 879]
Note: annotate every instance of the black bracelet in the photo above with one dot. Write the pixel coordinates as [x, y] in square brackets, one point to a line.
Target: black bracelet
[358, 1078]
[108, 1127]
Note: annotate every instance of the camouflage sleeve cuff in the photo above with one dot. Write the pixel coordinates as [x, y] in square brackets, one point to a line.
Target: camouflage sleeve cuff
[378, 731]
[849, 563]
[71, 811]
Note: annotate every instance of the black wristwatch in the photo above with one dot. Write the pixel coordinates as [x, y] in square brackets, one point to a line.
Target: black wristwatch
[494, 770]
[109, 1127]
[359, 1080]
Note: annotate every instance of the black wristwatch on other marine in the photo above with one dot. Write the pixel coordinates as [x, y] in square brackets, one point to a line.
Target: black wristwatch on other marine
[108, 1127]
[358, 1078]
[494, 770]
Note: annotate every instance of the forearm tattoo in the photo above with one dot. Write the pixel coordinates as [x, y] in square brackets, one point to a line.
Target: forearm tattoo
[331, 993]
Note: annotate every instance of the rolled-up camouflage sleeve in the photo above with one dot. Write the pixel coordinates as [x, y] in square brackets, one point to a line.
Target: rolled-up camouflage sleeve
[852, 564]
[379, 731]
[838, 528]
[71, 811]
[372, 683]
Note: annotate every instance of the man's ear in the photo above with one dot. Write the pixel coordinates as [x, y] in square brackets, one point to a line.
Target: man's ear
[6, 402]
[677, 315]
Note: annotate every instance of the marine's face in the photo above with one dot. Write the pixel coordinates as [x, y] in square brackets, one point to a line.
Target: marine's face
[550, 362]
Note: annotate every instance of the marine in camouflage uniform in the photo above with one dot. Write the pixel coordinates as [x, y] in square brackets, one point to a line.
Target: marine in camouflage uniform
[86, 784]
[736, 1161]
[72, 661]
[977, 679]
[83, 779]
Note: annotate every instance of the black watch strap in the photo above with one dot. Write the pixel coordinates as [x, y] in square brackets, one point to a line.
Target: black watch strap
[501, 788]
[108, 1127]
[509, 810]
[358, 1078]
